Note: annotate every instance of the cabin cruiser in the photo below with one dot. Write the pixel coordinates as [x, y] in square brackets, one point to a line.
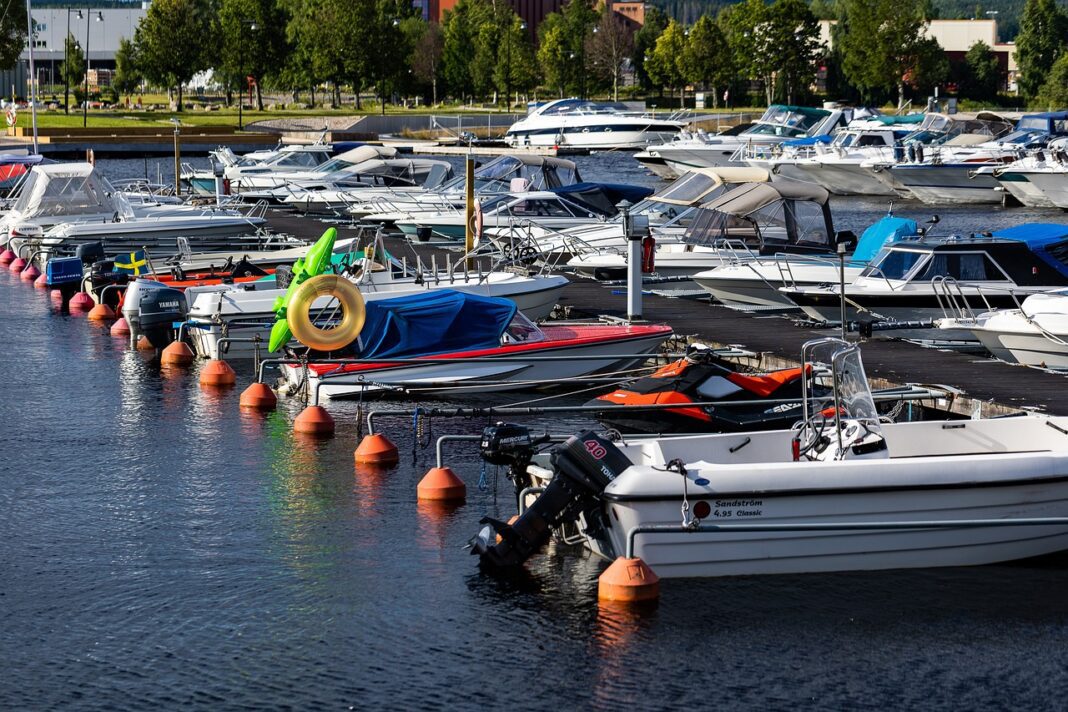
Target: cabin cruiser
[936, 130]
[333, 197]
[1035, 334]
[284, 159]
[277, 174]
[844, 491]
[750, 220]
[247, 311]
[579, 123]
[668, 214]
[569, 206]
[754, 283]
[1038, 179]
[950, 174]
[651, 159]
[451, 343]
[503, 174]
[779, 123]
[914, 282]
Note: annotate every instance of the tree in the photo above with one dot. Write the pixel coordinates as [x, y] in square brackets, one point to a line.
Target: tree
[664, 64]
[982, 73]
[553, 53]
[127, 74]
[793, 46]
[1054, 92]
[707, 59]
[1043, 30]
[930, 66]
[171, 42]
[608, 48]
[253, 41]
[425, 59]
[515, 58]
[580, 18]
[72, 69]
[745, 26]
[644, 42]
[882, 41]
[12, 34]
[460, 28]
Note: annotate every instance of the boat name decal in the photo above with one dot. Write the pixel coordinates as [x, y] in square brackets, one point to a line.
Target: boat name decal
[738, 508]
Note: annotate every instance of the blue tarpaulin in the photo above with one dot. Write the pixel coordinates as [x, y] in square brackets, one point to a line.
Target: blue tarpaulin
[1042, 239]
[435, 322]
[887, 231]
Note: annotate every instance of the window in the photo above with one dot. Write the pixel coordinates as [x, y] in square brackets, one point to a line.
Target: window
[531, 208]
[964, 266]
[871, 140]
[894, 264]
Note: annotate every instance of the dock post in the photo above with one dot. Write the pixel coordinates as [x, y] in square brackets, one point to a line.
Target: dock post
[634, 264]
[841, 286]
[177, 158]
[469, 205]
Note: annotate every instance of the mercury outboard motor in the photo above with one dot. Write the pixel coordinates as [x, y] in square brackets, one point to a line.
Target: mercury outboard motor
[90, 252]
[511, 446]
[583, 466]
[102, 275]
[151, 308]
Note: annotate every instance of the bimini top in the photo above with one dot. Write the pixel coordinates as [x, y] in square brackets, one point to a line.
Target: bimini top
[750, 197]
[701, 184]
[604, 197]
[434, 322]
[887, 231]
[67, 190]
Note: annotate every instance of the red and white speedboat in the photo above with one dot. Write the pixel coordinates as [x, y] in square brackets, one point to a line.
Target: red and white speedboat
[452, 343]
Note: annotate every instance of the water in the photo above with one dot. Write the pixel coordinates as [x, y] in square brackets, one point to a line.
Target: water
[162, 549]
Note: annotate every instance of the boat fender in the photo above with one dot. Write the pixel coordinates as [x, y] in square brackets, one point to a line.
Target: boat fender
[648, 254]
[304, 329]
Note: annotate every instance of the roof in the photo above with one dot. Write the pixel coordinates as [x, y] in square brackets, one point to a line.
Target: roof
[604, 197]
[894, 120]
[367, 153]
[1034, 234]
[748, 197]
[696, 184]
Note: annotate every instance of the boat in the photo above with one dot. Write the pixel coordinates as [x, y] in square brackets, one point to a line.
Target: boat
[1035, 334]
[914, 282]
[745, 222]
[578, 123]
[245, 173]
[950, 175]
[755, 283]
[651, 159]
[843, 492]
[334, 196]
[451, 343]
[1037, 180]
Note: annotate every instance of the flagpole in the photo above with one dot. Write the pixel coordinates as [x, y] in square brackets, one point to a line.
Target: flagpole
[33, 76]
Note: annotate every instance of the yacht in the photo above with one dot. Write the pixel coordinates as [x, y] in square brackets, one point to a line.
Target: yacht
[578, 123]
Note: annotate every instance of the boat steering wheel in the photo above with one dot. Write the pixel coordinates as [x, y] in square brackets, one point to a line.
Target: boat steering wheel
[810, 433]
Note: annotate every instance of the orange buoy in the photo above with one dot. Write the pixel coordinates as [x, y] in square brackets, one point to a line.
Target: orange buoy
[259, 396]
[7, 256]
[101, 312]
[30, 273]
[177, 353]
[628, 581]
[143, 344]
[216, 373]
[80, 302]
[41, 282]
[17, 265]
[314, 420]
[377, 450]
[120, 327]
[441, 484]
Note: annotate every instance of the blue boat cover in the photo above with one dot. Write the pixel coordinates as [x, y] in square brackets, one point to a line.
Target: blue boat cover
[604, 197]
[809, 140]
[1040, 238]
[887, 231]
[436, 322]
[895, 120]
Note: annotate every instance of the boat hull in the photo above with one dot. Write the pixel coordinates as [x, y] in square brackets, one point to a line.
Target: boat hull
[948, 184]
[1022, 189]
[842, 178]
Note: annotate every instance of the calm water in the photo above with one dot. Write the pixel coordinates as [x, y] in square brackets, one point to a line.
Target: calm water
[162, 550]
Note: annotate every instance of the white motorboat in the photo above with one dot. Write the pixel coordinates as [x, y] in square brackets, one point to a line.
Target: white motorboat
[278, 173]
[651, 159]
[746, 283]
[1039, 179]
[333, 197]
[579, 123]
[247, 311]
[750, 220]
[918, 281]
[1036, 334]
[844, 492]
[292, 158]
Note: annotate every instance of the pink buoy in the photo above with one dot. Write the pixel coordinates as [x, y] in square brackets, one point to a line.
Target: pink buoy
[120, 327]
[7, 256]
[81, 302]
[41, 282]
[17, 265]
[30, 274]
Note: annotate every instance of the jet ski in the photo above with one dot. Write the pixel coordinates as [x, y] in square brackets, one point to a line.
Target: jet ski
[744, 401]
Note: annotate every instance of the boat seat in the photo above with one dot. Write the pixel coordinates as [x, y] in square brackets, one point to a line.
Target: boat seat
[767, 384]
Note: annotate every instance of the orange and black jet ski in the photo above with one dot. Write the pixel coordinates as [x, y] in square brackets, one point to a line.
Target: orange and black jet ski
[743, 401]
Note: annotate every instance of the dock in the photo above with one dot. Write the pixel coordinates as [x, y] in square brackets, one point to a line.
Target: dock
[988, 387]
[135, 141]
[434, 148]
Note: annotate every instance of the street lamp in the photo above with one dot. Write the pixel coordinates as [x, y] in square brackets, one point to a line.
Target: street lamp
[85, 103]
[251, 25]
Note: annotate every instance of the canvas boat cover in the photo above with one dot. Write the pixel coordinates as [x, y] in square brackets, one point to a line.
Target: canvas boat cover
[1049, 241]
[438, 321]
[68, 190]
[604, 197]
[886, 231]
[698, 185]
[788, 211]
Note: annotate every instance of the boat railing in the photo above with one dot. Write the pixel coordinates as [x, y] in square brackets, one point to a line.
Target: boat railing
[951, 299]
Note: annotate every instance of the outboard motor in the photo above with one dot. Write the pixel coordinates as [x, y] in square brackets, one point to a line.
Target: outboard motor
[101, 275]
[64, 274]
[583, 466]
[283, 275]
[90, 252]
[511, 446]
[151, 308]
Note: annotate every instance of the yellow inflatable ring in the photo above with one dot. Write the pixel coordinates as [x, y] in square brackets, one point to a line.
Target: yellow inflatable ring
[299, 317]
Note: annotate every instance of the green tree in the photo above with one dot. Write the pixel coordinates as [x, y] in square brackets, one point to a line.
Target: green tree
[72, 69]
[425, 58]
[930, 66]
[1054, 92]
[793, 46]
[127, 74]
[12, 34]
[882, 42]
[665, 63]
[707, 58]
[1042, 38]
[515, 59]
[553, 53]
[608, 48]
[644, 42]
[982, 73]
[171, 42]
[253, 41]
[746, 26]
[461, 28]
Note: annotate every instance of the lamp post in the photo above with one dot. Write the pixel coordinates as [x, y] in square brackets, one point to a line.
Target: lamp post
[243, 79]
[66, 80]
[85, 103]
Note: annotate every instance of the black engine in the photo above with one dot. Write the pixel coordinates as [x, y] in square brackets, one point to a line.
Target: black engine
[582, 467]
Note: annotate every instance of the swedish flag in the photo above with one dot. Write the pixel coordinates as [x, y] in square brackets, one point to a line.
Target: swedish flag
[135, 263]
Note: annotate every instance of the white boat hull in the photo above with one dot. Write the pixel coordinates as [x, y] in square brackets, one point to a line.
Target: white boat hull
[842, 178]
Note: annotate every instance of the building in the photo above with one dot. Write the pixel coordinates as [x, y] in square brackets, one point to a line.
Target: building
[956, 37]
[100, 29]
[534, 12]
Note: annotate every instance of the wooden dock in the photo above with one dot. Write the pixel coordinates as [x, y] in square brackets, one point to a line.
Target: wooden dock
[988, 386]
[136, 141]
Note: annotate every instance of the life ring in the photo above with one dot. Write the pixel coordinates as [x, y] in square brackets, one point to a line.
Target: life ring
[11, 115]
[352, 305]
[476, 222]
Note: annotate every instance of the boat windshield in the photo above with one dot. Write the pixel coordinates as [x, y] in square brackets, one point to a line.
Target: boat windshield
[1024, 137]
[895, 264]
[522, 330]
[851, 387]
